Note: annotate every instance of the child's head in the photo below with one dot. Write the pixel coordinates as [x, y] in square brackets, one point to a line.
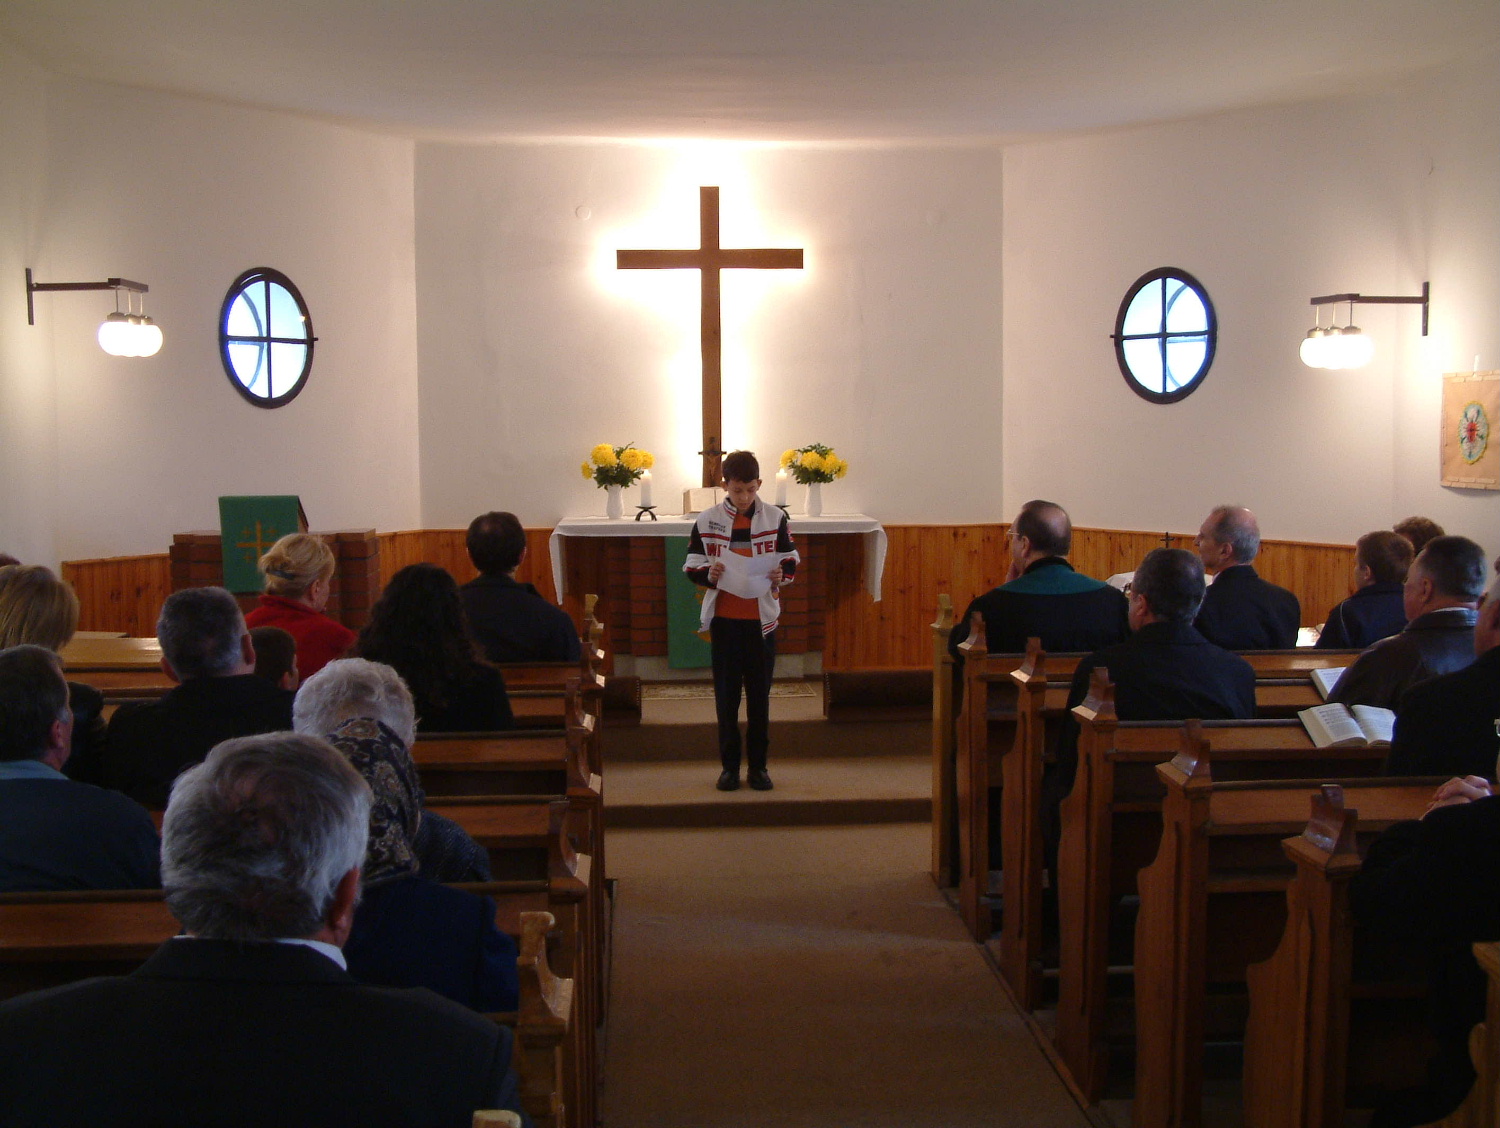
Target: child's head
[741, 477]
[275, 656]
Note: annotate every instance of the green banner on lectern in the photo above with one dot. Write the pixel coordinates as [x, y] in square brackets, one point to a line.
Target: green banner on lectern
[686, 648]
[249, 526]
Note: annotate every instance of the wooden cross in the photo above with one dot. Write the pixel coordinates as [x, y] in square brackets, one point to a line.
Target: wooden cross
[710, 258]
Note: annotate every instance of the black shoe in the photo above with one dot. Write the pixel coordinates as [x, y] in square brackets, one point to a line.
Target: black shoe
[729, 781]
[760, 779]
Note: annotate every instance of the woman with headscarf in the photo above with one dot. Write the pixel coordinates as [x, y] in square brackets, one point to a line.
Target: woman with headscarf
[409, 931]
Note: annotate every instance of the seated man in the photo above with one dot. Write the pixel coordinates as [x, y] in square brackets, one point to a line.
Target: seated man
[1042, 596]
[1442, 590]
[1241, 611]
[206, 648]
[1165, 670]
[1436, 881]
[1377, 609]
[1446, 726]
[510, 620]
[249, 1017]
[54, 833]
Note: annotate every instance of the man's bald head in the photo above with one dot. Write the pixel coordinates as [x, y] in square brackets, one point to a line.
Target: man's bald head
[1046, 525]
[1230, 535]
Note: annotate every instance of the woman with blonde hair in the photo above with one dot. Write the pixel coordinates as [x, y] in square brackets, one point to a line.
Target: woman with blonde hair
[38, 608]
[299, 578]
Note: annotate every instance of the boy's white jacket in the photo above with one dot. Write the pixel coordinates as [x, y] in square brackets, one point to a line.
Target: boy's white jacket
[768, 533]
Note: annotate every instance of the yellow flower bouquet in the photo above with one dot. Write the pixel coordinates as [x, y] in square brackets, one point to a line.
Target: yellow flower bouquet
[617, 465]
[814, 464]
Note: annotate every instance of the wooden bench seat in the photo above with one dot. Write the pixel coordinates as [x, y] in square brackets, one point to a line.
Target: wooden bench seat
[48, 939]
[1214, 901]
[1111, 829]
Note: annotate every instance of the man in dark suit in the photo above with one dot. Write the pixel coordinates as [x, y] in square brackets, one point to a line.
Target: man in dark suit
[206, 648]
[1165, 671]
[1042, 596]
[1441, 593]
[249, 1018]
[1436, 882]
[1240, 610]
[1377, 608]
[511, 620]
[55, 833]
[1447, 726]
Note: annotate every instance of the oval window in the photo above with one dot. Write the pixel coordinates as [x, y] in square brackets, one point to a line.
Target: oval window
[1165, 335]
[265, 337]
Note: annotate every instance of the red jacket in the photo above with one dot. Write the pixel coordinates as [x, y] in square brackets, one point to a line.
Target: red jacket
[319, 639]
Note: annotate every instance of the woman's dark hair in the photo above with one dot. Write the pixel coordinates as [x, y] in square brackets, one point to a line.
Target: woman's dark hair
[417, 626]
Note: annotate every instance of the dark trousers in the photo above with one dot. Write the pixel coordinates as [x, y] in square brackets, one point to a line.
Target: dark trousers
[742, 657]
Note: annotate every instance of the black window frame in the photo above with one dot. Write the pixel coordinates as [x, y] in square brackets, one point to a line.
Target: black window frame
[1210, 335]
[268, 276]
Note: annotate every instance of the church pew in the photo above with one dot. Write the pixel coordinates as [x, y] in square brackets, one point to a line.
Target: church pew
[1213, 902]
[944, 826]
[1332, 1010]
[1040, 703]
[527, 839]
[1111, 826]
[49, 939]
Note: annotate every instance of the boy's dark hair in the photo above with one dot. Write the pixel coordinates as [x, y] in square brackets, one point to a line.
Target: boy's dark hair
[741, 466]
[1170, 580]
[275, 652]
[1456, 566]
[495, 542]
[1388, 555]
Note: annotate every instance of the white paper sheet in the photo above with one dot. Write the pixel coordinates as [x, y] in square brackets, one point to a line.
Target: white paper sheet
[748, 577]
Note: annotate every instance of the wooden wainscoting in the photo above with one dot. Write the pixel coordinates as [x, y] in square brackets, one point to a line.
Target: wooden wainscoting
[122, 593]
[125, 593]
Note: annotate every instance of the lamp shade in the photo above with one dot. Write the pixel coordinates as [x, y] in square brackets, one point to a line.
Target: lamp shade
[148, 338]
[1354, 348]
[117, 335]
[1314, 348]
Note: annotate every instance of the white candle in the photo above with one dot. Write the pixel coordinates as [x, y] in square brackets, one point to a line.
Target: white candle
[645, 489]
[781, 487]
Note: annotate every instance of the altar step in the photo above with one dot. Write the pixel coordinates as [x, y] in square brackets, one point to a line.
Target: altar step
[662, 773]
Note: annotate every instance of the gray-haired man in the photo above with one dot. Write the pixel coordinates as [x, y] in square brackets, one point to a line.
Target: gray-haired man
[250, 1017]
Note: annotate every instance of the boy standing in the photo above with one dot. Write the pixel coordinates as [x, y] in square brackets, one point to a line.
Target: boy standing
[741, 608]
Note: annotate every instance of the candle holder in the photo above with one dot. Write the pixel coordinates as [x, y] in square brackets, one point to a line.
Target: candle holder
[645, 511]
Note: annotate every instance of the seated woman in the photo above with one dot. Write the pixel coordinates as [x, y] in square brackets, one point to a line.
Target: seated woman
[353, 688]
[409, 931]
[38, 608]
[418, 627]
[299, 578]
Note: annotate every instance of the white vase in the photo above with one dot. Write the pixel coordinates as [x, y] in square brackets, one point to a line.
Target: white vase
[815, 499]
[613, 505]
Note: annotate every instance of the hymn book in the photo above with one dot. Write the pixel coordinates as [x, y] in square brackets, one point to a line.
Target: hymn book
[1338, 726]
[1325, 679]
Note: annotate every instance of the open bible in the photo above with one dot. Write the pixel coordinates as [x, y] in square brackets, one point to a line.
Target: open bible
[1332, 726]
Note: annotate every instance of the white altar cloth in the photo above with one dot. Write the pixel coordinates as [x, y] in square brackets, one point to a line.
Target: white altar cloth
[871, 529]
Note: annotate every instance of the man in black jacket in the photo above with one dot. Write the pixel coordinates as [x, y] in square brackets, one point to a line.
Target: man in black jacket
[1447, 726]
[510, 620]
[249, 1018]
[1241, 611]
[206, 648]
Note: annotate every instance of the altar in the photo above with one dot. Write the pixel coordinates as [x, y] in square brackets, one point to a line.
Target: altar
[626, 563]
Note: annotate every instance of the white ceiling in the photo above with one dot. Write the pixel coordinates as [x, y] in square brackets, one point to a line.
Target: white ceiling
[770, 70]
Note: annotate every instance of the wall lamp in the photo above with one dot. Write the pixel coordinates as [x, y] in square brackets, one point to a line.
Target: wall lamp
[126, 333]
[1346, 346]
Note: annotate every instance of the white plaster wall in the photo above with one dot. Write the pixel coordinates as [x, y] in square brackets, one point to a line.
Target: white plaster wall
[533, 347]
[183, 195]
[1267, 209]
[28, 427]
